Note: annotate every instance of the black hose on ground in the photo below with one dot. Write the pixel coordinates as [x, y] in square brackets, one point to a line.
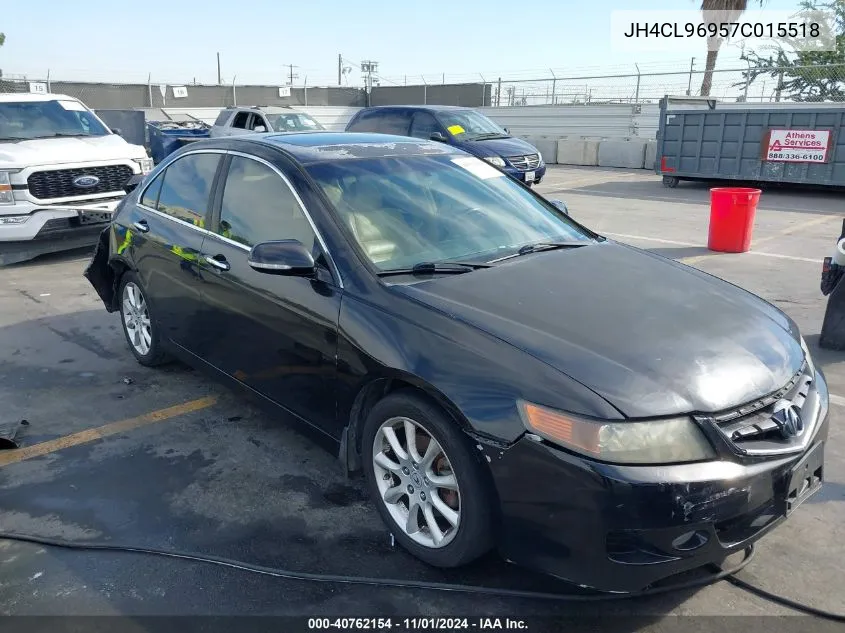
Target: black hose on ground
[719, 574]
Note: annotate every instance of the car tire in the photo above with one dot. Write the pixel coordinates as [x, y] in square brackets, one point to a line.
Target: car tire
[139, 325]
[472, 501]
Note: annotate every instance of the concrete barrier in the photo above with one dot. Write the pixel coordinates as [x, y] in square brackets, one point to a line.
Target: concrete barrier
[577, 152]
[650, 154]
[622, 153]
[546, 145]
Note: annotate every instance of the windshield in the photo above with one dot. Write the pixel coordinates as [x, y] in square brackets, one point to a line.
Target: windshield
[292, 122]
[469, 124]
[412, 209]
[45, 119]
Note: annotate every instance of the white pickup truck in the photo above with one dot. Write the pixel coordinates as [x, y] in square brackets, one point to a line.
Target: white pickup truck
[62, 173]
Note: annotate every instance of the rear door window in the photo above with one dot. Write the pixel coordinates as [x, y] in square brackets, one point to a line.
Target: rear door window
[150, 197]
[186, 188]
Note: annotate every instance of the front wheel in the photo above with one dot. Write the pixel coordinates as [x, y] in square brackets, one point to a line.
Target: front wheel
[138, 323]
[428, 485]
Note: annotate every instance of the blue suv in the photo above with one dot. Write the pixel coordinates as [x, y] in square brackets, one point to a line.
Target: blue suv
[465, 128]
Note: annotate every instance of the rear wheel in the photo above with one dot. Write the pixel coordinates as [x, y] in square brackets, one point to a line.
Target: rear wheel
[138, 323]
[671, 181]
[427, 483]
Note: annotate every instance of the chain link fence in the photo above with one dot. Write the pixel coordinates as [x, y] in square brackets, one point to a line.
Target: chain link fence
[737, 84]
[788, 83]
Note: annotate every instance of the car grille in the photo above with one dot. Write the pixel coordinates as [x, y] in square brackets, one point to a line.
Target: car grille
[752, 427]
[529, 161]
[58, 183]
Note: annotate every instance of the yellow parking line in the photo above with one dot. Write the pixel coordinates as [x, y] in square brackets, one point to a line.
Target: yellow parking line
[89, 435]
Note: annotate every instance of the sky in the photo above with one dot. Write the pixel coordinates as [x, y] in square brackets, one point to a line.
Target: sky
[177, 41]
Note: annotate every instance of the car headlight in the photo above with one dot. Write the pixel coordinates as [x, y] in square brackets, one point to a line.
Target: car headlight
[495, 160]
[146, 164]
[666, 441]
[7, 196]
[540, 155]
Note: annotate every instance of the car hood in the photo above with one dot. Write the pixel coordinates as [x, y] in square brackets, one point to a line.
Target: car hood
[649, 335]
[498, 147]
[49, 151]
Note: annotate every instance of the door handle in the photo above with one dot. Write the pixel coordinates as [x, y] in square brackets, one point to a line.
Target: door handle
[218, 261]
[142, 226]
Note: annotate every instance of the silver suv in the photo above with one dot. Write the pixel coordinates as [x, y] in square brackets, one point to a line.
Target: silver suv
[256, 119]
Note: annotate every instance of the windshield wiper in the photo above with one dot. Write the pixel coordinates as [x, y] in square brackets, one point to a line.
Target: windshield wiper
[489, 135]
[537, 247]
[430, 268]
[61, 135]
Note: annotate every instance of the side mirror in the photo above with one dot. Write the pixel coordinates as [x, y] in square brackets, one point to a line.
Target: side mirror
[259, 128]
[117, 130]
[507, 131]
[439, 137]
[561, 205]
[283, 257]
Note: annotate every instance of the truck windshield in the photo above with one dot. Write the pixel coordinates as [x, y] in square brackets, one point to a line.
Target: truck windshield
[23, 120]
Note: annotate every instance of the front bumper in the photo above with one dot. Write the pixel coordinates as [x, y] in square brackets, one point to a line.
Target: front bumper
[525, 176]
[53, 228]
[623, 528]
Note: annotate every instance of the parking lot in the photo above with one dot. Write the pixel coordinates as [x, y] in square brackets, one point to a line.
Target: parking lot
[166, 458]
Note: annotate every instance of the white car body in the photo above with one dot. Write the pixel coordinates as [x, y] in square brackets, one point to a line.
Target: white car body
[254, 120]
[24, 218]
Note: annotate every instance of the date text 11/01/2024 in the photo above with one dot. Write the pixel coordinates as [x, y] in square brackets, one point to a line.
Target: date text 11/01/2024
[801, 30]
[420, 623]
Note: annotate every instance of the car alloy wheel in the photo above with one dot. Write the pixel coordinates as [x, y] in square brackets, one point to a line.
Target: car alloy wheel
[136, 319]
[416, 482]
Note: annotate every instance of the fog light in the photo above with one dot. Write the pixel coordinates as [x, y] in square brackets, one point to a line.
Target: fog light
[690, 540]
[13, 219]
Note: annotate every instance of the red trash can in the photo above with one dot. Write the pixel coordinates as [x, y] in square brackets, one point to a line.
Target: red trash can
[732, 211]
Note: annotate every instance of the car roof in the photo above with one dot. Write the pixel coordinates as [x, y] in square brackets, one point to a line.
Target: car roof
[312, 147]
[21, 97]
[426, 108]
[268, 109]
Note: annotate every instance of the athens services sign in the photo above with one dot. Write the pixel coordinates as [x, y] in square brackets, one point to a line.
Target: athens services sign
[796, 146]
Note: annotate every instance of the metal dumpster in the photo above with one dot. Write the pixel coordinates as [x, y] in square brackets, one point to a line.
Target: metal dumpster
[168, 136]
[700, 138]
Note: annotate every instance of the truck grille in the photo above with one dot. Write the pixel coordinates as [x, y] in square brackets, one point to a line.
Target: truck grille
[753, 427]
[58, 183]
[525, 163]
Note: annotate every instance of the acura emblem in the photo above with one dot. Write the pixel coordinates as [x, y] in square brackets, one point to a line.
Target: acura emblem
[86, 181]
[788, 418]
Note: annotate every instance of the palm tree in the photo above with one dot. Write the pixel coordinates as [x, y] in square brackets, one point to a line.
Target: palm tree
[2, 38]
[716, 12]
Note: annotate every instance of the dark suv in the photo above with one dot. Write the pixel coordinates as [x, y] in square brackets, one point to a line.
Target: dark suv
[465, 128]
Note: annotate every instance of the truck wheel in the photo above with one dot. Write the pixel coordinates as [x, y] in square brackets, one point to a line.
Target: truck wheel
[671, 181]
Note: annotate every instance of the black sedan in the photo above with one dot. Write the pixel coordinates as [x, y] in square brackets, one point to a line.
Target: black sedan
[503, 376]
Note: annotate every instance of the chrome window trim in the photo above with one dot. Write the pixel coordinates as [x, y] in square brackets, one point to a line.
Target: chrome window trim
[333, 267]
[166, 164]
